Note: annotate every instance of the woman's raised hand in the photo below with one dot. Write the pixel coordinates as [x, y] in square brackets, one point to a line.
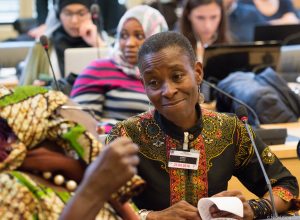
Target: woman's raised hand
[115, 165]
[89, 33]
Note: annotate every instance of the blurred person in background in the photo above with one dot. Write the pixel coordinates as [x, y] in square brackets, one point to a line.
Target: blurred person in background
[111, 88]
[276, 12]
[204, 22]
[110, 14]
[242, 19]
[75, 29]
[42, 8]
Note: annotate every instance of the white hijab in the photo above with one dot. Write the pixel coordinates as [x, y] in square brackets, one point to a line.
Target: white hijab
[152, 22]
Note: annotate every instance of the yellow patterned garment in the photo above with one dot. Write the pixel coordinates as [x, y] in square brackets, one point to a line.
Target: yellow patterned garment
[28, 116]
[225, 151]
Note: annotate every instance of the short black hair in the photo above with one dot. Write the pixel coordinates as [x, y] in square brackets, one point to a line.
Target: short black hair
[163, 40]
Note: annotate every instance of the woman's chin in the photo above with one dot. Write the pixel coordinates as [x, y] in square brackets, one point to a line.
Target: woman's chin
[131, 60]
[73, 33]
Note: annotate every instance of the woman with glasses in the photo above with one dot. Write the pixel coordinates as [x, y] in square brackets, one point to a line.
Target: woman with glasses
[76, 30]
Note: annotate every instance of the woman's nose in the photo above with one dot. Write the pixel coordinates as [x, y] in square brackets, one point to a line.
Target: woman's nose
[207, 24]
[74, 18]
[168, 90]
[131, 41]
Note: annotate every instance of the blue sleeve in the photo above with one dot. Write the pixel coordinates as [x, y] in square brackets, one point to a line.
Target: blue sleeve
[286, 6]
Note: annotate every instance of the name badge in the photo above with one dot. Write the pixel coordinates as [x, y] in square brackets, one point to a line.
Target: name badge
[184, 159]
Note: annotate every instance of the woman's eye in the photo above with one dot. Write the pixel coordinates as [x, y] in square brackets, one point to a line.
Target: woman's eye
[140, 36]
[124, 36]
[153, 83]
[177, 76]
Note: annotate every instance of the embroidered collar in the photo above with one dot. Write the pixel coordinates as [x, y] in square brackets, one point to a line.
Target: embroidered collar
[176, 132]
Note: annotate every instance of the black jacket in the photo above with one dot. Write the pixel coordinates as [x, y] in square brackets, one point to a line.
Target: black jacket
[267, 93]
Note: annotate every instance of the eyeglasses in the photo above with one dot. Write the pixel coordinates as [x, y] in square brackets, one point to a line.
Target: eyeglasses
[82, 14]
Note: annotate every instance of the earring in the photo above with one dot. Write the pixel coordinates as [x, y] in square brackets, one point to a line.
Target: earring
[150, 106]
[200, 95]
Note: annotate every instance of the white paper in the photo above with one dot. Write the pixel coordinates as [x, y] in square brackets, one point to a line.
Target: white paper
[230, 204]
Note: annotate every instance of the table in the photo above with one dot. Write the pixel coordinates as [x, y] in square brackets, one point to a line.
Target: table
[285, 152]
[8, 77]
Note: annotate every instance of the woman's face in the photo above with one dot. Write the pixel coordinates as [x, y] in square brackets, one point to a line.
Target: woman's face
[171, 83]
[205, 20]
[72, 17]
[132, 36]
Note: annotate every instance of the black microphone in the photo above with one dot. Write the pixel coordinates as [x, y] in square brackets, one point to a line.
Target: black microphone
[95, 13]
[268, 136]
[298, 150]
[242, 114]
[45, 44]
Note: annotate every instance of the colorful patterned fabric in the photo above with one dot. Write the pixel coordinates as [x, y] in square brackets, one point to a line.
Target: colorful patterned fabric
[225, 151]
[183, 188]
[32, 115]
[21, 197]
[30, 112]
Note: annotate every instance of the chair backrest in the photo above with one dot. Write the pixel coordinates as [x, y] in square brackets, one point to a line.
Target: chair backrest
[76, 59]
[12, 53]
[289, 59]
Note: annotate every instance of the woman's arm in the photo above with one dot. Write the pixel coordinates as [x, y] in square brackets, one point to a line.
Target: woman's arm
[287, 18]
[284, 184]
[115, 165]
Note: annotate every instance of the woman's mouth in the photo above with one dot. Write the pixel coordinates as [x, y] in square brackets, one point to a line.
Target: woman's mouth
[172, 103]
[130, 53]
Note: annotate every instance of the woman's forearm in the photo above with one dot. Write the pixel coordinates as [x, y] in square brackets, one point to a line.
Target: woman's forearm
[280, 205]
[84, 205]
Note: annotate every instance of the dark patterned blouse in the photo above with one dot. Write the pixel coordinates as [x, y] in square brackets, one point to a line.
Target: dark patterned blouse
[225, 151]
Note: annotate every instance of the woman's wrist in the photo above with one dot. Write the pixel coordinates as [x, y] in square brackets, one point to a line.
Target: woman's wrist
[144, 214]
[261, 208]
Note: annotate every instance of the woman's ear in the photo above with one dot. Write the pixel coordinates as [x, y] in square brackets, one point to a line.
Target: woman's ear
[142, 80]
[198, 72]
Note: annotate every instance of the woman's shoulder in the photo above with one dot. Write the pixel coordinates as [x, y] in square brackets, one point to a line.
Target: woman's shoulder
[105, 63]
[99, 67]
[137, 120]
[207, 113]
[219, 119]
[286, 6]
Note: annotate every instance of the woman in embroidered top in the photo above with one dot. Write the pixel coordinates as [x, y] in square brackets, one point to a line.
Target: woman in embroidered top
[112, 88]
[204, 23]
[171, 76]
